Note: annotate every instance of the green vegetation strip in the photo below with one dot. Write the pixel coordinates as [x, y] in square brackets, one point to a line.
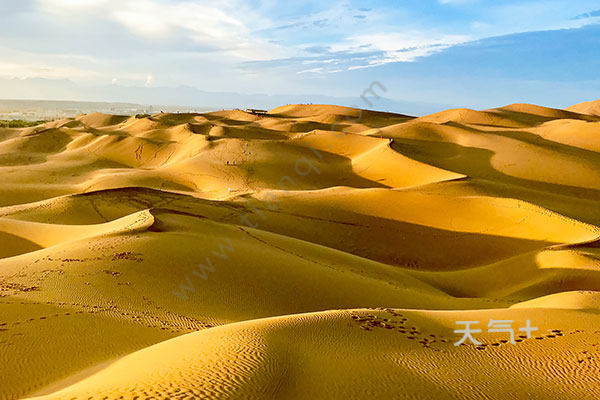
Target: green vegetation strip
[18, 123]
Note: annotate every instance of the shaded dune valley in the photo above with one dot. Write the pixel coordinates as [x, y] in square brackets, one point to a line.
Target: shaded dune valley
[309, 252]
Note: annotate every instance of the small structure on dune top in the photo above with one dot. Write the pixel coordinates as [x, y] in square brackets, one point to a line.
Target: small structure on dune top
[256, 111]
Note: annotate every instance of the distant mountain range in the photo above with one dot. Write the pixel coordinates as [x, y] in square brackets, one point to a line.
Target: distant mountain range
[190, 97]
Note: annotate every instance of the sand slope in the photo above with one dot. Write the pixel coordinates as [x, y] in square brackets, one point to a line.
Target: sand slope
[394, 353]
[588, 107]
[311, 252]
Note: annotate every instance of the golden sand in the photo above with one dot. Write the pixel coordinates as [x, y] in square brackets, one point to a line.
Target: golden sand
[315, 252]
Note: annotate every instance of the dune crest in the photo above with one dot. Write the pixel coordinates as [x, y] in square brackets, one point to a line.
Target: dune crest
[588, 107]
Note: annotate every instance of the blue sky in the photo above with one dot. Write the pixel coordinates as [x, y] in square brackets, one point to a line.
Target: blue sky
[472, 53]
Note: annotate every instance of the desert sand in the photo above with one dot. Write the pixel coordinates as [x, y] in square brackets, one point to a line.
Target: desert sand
[313, 252]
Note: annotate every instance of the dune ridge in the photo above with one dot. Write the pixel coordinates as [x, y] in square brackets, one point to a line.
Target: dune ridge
[314, 251]
[587, 107]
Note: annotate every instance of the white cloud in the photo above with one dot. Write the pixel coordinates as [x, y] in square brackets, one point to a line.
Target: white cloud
[24, 64]
[456, 2]
[154, 19]
[42, 70]
[398, 47]
[212, 24]
[311, 70]
[71, 7]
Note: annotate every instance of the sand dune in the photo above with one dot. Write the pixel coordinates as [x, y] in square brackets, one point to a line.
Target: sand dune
[313, 251]
[391, 348]
[588, 107]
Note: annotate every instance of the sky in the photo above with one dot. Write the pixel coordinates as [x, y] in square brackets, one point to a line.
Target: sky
[468, 53]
